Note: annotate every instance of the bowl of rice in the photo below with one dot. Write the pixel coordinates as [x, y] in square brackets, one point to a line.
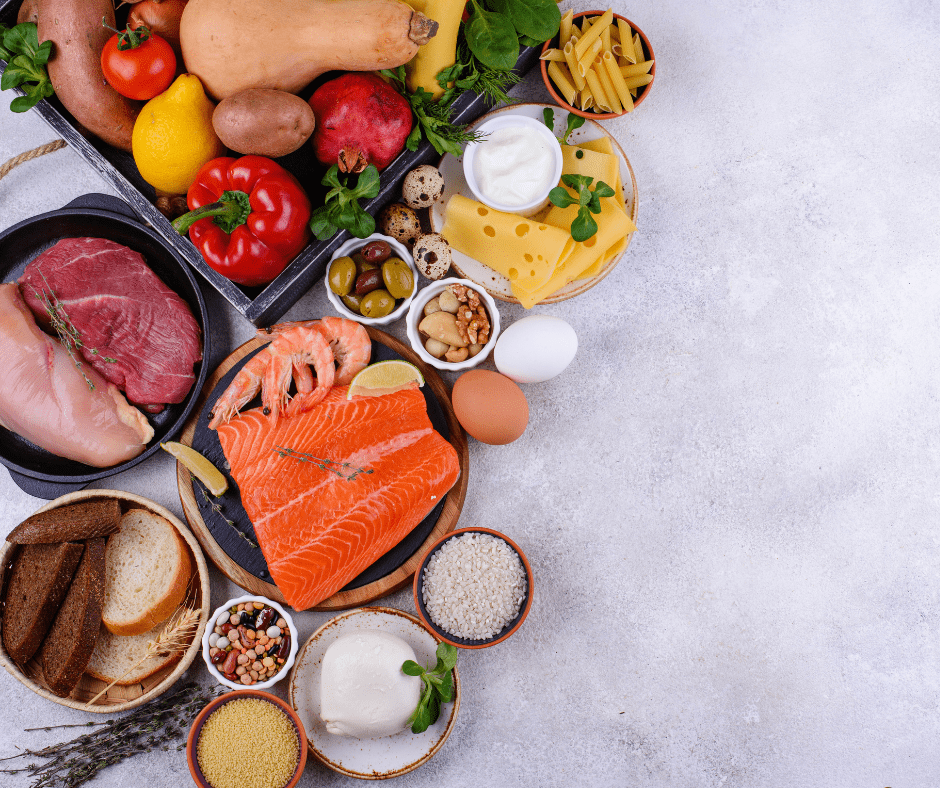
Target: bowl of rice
[473, 588]
[247, 738]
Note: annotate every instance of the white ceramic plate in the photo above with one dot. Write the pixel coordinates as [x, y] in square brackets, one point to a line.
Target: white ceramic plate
[368, 759]
[454, 183]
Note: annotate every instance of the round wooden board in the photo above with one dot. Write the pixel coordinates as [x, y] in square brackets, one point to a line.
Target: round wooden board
[397, 579]
[118, 698]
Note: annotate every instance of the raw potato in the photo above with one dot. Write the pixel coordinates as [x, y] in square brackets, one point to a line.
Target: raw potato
[442, 326]
[264, 122]
[75, 29]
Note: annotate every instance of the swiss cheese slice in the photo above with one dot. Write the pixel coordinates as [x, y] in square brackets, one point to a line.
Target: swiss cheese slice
[604, 146]
[525, 251]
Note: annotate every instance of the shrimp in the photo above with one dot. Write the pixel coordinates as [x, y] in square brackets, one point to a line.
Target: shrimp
[297, 347]
[349, 341]
[243, 388]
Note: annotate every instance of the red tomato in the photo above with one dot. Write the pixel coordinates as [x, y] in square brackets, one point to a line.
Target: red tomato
[142, 72]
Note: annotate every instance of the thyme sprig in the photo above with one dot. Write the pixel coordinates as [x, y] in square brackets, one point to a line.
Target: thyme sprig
[322, 464]
[158, 724]
[65, 328]
[217, 508]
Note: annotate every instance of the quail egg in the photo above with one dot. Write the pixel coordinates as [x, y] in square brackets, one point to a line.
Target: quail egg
[400, 222]
[432, 255]
[422, 187]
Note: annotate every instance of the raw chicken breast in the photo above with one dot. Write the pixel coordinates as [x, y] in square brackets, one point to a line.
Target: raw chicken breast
[46, 399]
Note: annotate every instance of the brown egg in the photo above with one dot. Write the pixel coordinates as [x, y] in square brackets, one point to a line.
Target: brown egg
[490, 407]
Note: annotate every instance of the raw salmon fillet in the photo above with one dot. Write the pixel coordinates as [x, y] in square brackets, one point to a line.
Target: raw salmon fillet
[317, 529]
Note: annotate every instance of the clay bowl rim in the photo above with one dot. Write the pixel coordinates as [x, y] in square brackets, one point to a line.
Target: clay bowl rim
[196, 728]
[641, 94]
[499, 637]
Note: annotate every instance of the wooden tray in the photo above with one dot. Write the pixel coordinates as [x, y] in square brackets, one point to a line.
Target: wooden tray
[222, 551]
[117, 698]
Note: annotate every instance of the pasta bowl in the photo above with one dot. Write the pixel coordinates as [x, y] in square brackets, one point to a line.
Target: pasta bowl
[632, 72]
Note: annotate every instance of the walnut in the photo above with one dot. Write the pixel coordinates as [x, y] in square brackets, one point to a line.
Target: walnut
[473, 323]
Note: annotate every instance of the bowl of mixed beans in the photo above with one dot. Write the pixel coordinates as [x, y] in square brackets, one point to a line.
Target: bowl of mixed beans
[250, 643]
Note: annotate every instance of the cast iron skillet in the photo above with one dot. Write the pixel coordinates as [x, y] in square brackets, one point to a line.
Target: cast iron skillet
[37, 471]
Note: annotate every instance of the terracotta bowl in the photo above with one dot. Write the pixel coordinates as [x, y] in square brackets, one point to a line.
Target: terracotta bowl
[443, 634]
[196, 730]
[641, 93]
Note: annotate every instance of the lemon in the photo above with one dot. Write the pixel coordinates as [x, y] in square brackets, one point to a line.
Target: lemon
[198, 466]
[173, 136]
[385, 377]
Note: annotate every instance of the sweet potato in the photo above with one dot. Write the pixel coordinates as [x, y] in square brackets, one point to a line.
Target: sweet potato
[74, 27]
[29, 12]
[266, 122]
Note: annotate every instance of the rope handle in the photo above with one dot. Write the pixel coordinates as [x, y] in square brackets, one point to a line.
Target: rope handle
[35, 153]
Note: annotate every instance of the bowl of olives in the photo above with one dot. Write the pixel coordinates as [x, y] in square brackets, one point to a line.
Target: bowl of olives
[371, 280]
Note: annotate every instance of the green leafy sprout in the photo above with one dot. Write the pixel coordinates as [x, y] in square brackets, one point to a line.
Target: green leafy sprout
[438, 687]
[583, 226]
[341, 209]
[496, 28]
[26, 65]
[573, 122]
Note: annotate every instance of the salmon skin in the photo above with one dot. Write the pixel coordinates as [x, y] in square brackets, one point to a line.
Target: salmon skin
[331, 490]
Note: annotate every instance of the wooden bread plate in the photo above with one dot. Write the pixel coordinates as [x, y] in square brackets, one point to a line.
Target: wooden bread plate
[344, 599]
[118, 698]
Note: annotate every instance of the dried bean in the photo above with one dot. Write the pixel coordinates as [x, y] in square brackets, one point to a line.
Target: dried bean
[219, 657]
[231, 662]
[284, 650]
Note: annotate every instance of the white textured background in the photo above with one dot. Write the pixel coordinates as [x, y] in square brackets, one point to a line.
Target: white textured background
[730, 498]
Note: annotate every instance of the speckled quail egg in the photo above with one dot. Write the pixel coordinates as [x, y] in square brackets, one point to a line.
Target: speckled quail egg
[432, 255]
[422, 187]
[401, 223]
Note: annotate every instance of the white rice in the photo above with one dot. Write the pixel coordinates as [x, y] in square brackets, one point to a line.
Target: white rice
[473, 586]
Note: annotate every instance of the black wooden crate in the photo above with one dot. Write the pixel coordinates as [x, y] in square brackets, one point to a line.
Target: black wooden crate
[261, 306]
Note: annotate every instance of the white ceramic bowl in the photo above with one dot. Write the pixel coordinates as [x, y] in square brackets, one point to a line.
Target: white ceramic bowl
[210, 628]
[348, 249]
[416, 313]
[507, 120]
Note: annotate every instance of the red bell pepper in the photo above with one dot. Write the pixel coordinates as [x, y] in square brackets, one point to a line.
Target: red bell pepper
[248, 218]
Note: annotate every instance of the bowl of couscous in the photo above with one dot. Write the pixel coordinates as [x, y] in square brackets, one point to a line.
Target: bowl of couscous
[220, 751]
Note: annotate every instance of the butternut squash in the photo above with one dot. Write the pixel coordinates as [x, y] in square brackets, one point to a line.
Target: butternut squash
[441, 51]
[234, 45]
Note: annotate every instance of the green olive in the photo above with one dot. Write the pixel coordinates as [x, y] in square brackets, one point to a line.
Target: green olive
[353, 302]
[342, 275]
[398, 277]
[378, 303]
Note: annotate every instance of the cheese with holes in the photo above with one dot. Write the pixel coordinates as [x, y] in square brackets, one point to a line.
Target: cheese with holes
[525, 251]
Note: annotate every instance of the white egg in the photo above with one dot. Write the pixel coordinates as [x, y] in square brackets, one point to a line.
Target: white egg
[535, 349]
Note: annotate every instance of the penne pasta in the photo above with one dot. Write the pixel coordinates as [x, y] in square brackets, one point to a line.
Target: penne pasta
[636, 69]
[594, 33]
[562, 79]
[638, 81]
[553, 54]
[587, 98]
[612, 97]
[564, 30]
[576, 75]
[600, 98]
[626, 41]
[587, 59]
[605, 39]
[638, 48]
[617, 82]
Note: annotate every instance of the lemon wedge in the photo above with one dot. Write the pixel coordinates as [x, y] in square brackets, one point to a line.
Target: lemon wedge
[198, 466]
[385, 377]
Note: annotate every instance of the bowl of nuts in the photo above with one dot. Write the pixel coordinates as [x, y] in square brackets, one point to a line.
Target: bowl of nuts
[250, 642]
[452, 325]
[371, 280]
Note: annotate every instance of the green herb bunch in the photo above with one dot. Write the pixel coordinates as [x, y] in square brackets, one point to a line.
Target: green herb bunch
[26, 65]
[469, 73]
[573, 122]
[341, 209]
[438, 687]
[496, 28]
[583, 226]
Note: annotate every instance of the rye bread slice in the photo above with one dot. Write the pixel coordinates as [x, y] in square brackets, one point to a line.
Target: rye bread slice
[68, 647]
[72, 523]
[39, 581]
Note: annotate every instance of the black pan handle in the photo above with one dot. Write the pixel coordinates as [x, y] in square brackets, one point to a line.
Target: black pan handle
[104, 202]
[40, 488]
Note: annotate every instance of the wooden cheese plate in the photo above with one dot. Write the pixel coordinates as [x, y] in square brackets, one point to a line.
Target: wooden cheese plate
[227, 536]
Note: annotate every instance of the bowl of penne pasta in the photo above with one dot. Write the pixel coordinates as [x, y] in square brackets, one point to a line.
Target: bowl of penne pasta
[599, 66]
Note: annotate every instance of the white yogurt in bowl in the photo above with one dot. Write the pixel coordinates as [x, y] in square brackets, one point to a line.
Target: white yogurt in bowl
[515, 165]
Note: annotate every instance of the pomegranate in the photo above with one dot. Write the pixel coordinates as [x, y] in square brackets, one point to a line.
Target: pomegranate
[361, 120]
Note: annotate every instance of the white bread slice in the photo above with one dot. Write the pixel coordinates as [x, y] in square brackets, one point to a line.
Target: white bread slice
[115, 655]
[148, 570]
